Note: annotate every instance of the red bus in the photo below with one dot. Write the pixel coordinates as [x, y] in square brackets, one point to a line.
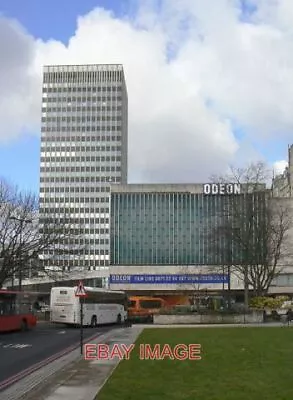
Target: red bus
[16, 311]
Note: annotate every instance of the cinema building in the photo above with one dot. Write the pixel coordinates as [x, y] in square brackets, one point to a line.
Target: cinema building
[162, 241]
[162, 237]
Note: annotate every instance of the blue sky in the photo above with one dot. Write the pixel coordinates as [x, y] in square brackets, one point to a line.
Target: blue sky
[55, 19]
[19, 158]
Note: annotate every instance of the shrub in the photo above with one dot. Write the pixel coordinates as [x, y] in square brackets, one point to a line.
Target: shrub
[268, 302]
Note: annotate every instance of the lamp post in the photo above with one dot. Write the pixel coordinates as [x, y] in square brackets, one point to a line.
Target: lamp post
[1, 265]
[22, 221]
[106, 282]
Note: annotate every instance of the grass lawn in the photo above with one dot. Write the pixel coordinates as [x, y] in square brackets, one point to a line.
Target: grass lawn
[237, 363]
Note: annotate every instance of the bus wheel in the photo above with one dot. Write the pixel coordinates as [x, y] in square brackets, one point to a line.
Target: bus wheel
[94, 322]
[23, 326]
[119, 319]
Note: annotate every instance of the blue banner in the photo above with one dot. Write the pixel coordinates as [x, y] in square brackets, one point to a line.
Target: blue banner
[170, 278]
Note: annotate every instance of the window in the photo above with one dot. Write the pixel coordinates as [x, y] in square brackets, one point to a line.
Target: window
[283, 280]
[7, 304]
[150, 304]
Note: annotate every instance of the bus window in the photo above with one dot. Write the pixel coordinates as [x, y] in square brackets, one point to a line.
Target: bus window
[7, 304]
[131, 303]
[15, 311]
[150, 304]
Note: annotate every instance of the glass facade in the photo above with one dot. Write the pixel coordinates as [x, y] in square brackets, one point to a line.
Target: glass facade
[283, 280]
[174, 228]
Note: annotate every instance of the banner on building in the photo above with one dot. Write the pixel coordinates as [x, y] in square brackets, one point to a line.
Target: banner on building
[170, 278]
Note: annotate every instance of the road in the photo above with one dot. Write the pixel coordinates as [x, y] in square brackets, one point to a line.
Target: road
[21, 350]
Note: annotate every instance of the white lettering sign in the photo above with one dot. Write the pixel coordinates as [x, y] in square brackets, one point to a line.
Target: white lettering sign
[222, 188]
[124, 278]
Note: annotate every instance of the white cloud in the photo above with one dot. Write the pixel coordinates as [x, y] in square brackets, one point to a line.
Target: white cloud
[280, 166]
[191, 68]
[19, 89]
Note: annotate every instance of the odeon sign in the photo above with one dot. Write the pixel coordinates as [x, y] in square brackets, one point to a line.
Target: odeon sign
[221, 188]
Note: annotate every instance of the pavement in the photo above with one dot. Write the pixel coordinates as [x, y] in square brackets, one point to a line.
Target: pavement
[82, 379]
[20, 351]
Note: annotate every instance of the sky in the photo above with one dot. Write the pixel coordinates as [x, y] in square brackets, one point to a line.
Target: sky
[209, 82]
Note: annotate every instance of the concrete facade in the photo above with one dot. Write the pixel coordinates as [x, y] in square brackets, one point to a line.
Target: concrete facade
[282, 185]
[196, 188]
[84, 146]
[98, 278]
[283, 283]
[236, 283]
[254, 317]
[282, 190]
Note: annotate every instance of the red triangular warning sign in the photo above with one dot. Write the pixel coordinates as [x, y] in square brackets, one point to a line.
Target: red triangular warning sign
[80, 291]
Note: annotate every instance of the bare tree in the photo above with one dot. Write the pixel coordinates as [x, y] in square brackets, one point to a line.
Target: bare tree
[22, 241]
[197, 287]
[253, 177]
[253, 231]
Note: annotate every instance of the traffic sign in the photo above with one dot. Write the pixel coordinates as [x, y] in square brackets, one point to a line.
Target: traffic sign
[80, 291]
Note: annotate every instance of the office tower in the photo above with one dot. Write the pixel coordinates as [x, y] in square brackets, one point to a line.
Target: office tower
[83, 151]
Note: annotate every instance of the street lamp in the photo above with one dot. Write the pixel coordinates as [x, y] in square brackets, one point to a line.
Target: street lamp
[1, 264]
[22, 221]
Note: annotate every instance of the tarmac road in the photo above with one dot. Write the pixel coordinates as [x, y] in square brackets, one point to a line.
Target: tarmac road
[22, 350]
